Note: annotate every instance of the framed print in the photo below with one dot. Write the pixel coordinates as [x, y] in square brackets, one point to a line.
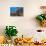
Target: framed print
[16, 11]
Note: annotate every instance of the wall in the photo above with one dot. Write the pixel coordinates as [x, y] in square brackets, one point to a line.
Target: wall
[26, 25]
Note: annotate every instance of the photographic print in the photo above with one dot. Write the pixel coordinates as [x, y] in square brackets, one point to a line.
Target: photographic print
[16, 11]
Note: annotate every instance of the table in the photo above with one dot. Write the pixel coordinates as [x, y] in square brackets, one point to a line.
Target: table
[25, 44]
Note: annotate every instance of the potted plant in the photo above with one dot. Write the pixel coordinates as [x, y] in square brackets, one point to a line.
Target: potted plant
[42, 17]
[10, 31]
